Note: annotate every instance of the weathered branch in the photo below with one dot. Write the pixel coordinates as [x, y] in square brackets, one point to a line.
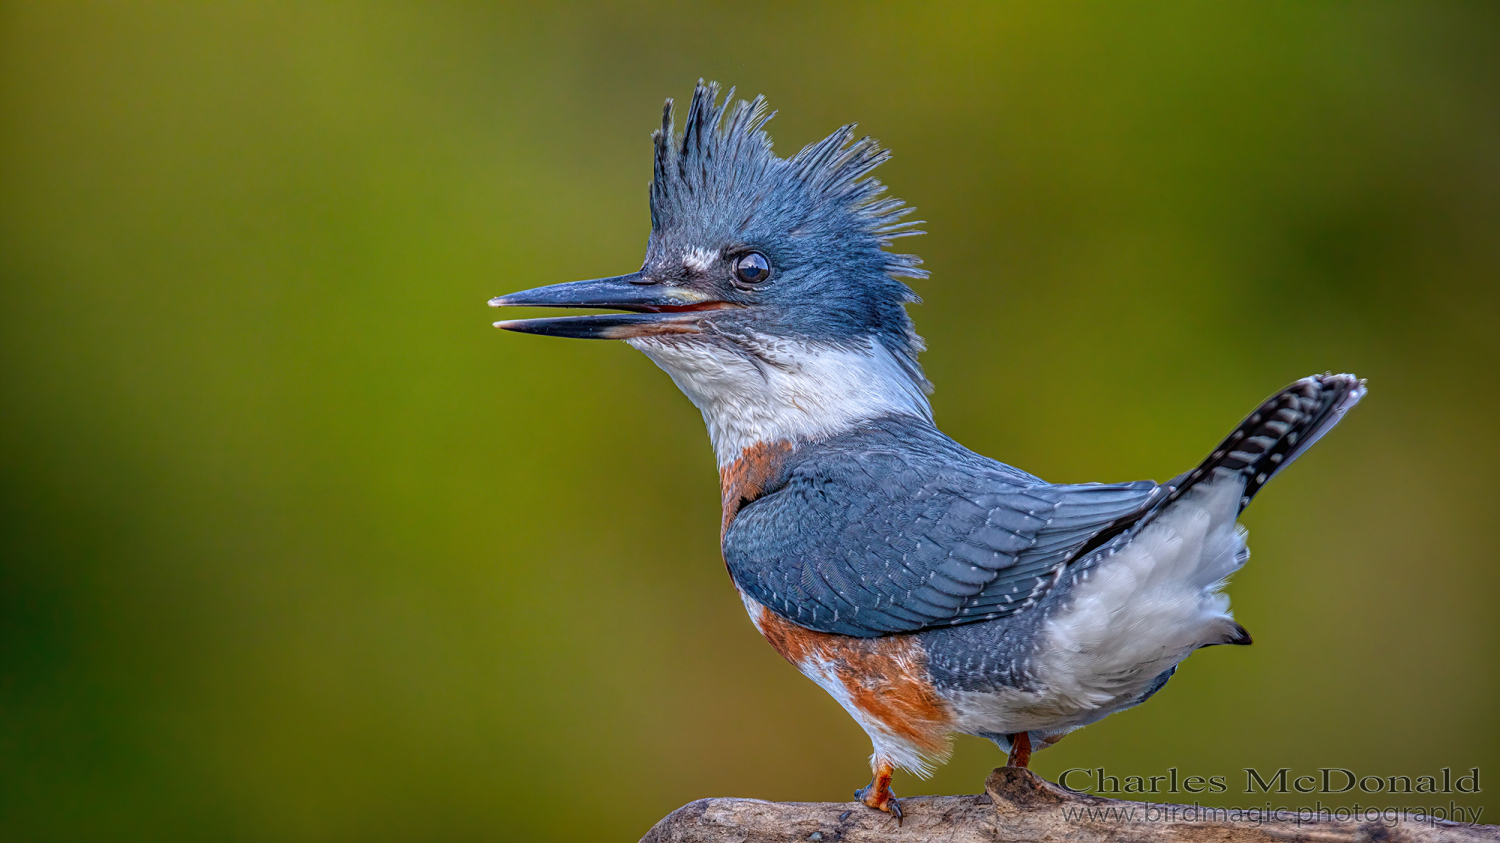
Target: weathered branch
[1019, 806]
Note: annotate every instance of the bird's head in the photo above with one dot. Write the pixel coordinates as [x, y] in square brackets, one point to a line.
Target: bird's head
[766, 291]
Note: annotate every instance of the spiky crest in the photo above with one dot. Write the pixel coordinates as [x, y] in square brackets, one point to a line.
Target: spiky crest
[722, 162]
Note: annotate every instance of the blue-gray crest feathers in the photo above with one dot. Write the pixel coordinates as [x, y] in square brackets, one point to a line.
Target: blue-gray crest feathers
[720, 180]
[719, 161]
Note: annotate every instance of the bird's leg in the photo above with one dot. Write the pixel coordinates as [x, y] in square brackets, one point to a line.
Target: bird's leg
[1020, 750]
[878, 793]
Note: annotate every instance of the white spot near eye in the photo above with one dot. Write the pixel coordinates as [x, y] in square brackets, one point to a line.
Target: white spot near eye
[698, 259]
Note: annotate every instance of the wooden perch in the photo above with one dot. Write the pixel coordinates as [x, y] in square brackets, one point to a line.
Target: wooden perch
[1019, 806]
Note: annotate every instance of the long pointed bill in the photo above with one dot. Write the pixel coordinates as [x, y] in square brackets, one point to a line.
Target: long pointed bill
[653, 309]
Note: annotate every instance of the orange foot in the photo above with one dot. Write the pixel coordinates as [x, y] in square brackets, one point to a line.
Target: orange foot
[878, 794]
[1020, 750]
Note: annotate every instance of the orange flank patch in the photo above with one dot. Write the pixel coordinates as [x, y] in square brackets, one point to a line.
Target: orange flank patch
[886, 678]
[745, 479]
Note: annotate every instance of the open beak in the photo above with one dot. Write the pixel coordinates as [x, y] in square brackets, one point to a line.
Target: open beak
[651, 309]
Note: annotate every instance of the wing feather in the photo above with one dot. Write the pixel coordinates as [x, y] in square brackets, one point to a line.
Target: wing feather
[885, 540]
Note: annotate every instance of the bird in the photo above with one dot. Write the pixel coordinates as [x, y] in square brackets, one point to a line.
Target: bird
[931, 591]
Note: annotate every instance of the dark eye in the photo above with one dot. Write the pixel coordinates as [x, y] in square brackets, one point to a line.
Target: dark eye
[752, 268]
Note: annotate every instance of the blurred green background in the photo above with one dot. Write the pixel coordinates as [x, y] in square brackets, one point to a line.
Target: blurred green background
[296, 547]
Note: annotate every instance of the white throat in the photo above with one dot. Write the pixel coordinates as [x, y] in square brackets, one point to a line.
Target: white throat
[800, 391]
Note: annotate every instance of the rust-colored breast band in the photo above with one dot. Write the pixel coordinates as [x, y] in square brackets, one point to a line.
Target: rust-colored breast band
[746, 478]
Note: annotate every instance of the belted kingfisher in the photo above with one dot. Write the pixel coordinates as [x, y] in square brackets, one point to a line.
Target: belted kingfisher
[928, 589]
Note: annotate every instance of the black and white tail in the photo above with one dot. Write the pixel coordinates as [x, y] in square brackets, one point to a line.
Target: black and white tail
[1279, 430]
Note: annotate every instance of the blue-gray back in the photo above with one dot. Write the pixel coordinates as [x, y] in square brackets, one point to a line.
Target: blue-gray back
[894, 527]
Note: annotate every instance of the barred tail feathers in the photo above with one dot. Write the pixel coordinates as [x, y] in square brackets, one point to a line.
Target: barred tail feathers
[1279, 431]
